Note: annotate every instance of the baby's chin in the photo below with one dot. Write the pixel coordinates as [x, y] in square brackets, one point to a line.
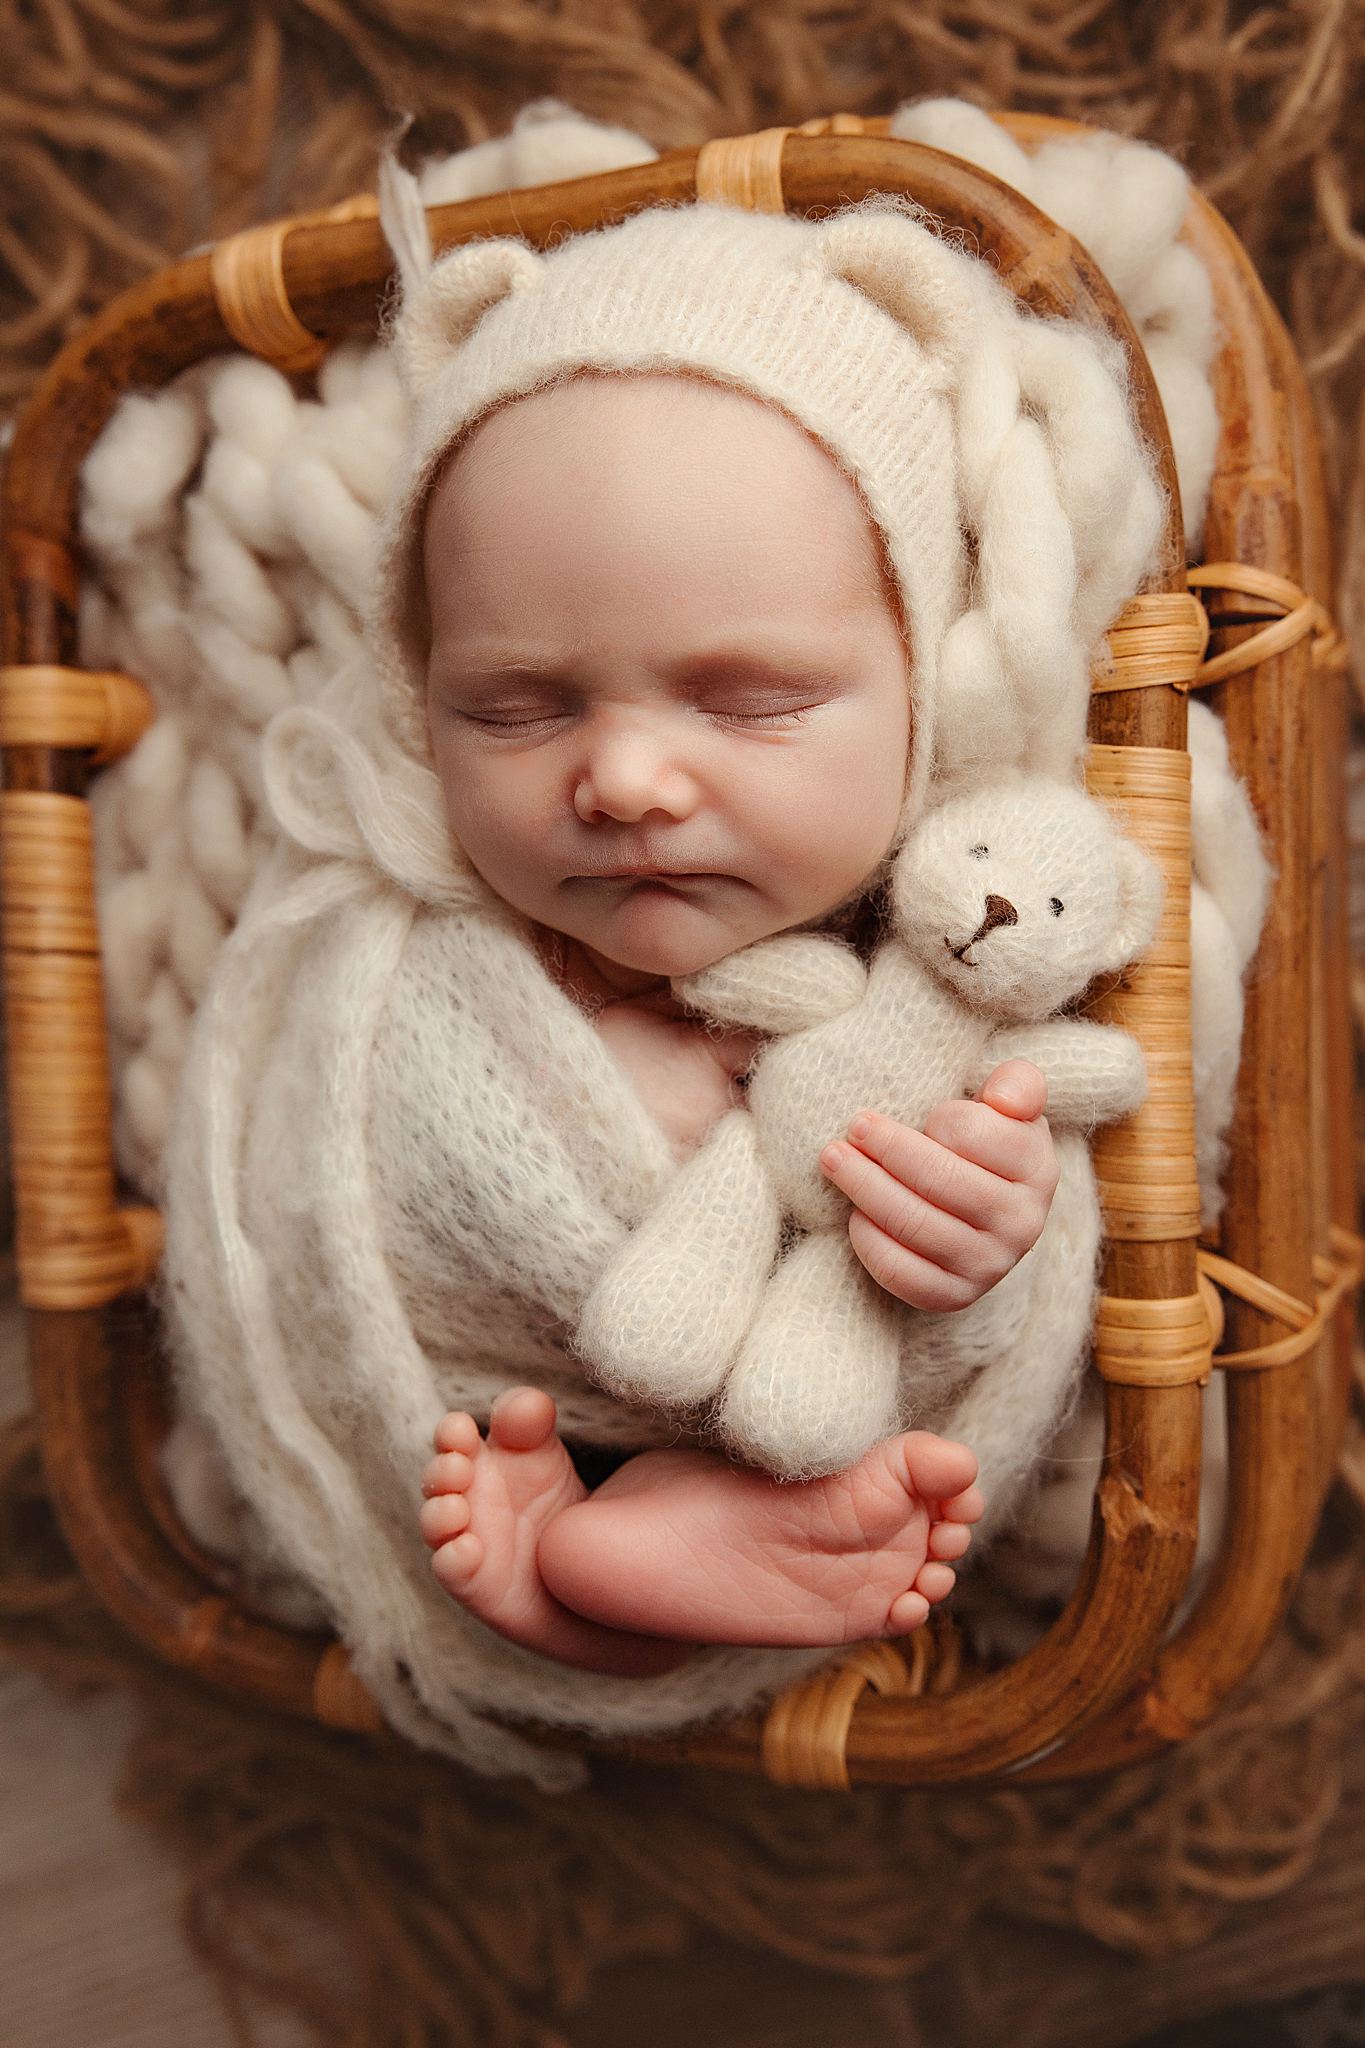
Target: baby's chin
[654, 929]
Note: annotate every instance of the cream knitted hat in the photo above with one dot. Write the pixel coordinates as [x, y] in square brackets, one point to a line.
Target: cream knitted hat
[993, 451]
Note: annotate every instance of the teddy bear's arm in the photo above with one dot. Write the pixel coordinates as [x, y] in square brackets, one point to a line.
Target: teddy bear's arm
[781, 984]
[1095, 1073]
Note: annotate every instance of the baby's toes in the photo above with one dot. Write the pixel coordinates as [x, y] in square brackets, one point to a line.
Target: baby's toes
[450, 1473]
[964, 1507]
[949, 1541]
[521, 1419]
[911, 1610]
[457, 1432]
[935, 1581]
[444, 1516]
[939, 1468]
[455, 1563]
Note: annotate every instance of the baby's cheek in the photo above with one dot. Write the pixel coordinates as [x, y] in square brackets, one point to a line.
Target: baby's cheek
[860, 788]
[828, 829]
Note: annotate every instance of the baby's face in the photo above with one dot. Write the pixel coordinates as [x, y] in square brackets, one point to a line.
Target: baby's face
[661, 638]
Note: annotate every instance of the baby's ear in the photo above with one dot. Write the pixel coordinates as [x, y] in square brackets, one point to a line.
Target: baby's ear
[442, 310]
[907, 270]
[1139, 906]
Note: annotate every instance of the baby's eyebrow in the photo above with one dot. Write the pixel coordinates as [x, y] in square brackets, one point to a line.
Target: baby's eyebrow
[525, 669]
[744, 665]
[719, 665]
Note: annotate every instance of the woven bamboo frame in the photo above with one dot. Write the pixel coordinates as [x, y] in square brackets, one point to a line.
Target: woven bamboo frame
[1102, 1688]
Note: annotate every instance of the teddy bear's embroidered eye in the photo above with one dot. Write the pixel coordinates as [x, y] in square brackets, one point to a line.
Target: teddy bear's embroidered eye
[1055, 905]
[978, 852]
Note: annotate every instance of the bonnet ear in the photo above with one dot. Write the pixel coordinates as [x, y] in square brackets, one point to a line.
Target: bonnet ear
[1140, 894]
[883, 249]
[442, 302]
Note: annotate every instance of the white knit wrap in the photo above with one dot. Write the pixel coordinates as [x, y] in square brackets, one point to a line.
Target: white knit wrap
[400, 1153]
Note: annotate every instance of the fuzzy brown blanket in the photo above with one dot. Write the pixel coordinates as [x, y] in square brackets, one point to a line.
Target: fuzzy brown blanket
[384, 1900]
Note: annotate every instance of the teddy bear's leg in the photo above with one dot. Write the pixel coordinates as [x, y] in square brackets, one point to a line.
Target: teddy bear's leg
[815, 1382]
[663, 1322]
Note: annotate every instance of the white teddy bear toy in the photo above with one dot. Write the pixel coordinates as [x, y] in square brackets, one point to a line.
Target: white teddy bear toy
[1005, 903]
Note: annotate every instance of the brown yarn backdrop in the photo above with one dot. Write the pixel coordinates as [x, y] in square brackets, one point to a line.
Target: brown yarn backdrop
[444, 1913]
[132, 129]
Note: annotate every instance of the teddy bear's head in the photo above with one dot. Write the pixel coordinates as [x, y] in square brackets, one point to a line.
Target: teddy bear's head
[1018, 894]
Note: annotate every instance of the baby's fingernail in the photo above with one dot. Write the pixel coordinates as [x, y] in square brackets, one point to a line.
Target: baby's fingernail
[832, 1158]
[859, 1128]
[1010, 1092]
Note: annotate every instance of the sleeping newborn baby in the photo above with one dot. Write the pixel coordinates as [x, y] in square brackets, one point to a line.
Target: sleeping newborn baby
[721, 546]
[667, 699]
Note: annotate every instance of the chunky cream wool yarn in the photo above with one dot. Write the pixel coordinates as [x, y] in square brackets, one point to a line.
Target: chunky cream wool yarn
[1125, 202]
[234, 526]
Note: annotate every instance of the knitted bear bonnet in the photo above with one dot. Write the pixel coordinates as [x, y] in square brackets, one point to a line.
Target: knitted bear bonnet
[993, 451]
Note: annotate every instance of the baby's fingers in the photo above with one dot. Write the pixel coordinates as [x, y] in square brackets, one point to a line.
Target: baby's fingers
[919, 1170]
[906, 1216]
[998, 1143]
[1016, 1088]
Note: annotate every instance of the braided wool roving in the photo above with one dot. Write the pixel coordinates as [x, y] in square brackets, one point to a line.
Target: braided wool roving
[351, 1248]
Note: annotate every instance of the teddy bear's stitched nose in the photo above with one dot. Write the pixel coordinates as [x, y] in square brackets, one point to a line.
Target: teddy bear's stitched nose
[998, 911]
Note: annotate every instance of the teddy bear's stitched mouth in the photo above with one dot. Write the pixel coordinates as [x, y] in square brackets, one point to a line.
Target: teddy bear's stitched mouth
[960, 953]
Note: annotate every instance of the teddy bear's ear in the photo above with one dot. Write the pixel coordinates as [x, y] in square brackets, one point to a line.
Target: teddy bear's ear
[907, 270]
[1139, 905]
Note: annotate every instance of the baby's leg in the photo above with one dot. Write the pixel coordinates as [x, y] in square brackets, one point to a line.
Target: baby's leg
[682, 1545]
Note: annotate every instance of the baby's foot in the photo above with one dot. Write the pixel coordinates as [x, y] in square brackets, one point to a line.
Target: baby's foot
[681, 1544]
[487, 1505]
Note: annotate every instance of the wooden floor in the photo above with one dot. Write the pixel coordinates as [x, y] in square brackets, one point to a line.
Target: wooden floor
[89, 1947]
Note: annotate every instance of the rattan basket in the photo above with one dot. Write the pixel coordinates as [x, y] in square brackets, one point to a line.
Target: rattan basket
[1108, 1684]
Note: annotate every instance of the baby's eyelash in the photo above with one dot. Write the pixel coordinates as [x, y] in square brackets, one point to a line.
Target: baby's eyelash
[525, 725]
[506, 724]
[762, 717]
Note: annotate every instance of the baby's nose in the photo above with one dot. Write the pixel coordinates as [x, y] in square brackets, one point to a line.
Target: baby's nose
[629, 773]
[998, 911]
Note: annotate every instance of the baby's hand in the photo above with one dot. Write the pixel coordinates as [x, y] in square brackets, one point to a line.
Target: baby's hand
[940, 1215]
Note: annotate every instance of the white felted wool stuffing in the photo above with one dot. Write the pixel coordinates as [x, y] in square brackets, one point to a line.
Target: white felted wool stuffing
[231, 529]
[1005, 904]
[1125, 202]
[230, 575]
